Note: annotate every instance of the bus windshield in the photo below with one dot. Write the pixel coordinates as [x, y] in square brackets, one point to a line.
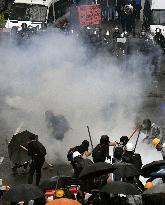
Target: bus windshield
[158, 17]
[27, 12]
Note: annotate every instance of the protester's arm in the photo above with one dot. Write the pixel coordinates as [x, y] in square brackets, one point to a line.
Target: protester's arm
[87, 153]
[113, 143]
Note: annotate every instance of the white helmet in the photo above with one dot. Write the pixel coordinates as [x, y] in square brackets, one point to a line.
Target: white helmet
[76, 154]
[129, 147]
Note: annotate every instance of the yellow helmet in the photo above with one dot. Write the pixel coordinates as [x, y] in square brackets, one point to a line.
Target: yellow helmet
[148, 185]
[155, 141]
[59, 193]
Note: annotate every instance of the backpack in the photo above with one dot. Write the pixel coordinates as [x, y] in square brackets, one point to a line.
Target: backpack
[70, 153]
[37, 148]
[98, 154]
[134, 159]
[118, 152]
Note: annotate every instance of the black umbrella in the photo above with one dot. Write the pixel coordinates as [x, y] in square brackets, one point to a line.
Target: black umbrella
[120, 188]
[151, 167]
[58, 182]
[124, 169]
[23, 192]
[16, 153]
[158, 189]
[96, 169]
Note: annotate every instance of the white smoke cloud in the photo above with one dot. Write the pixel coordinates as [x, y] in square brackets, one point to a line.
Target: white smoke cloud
[56, 72]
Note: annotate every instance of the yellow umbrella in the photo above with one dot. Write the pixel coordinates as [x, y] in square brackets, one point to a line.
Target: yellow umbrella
[63, 201]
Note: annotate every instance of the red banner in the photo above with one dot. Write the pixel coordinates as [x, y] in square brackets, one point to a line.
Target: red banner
[89, 14]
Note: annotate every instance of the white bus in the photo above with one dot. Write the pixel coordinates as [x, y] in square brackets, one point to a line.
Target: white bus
[157, 14]
[35, 12]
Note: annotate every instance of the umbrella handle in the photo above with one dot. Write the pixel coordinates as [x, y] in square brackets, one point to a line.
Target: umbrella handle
[23, 147]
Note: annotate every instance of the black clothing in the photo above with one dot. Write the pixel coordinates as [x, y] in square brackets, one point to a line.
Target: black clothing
[100, 153]
[160, 40]
[118, 152]
[81, 149]
[78, 164]
[133, 158]
[37, 151]
[36, 165]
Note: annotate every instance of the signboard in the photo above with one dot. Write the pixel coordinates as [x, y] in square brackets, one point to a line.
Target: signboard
[89, 15]
[121, 40]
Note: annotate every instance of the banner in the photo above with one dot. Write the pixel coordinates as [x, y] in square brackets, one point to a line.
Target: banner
[89, 15]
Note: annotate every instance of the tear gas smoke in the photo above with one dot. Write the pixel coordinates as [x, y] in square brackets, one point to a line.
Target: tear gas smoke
[55, 72]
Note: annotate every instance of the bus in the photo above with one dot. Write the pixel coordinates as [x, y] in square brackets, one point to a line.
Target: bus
[35, 12]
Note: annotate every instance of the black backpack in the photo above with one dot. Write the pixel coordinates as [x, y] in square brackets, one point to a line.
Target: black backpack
[98, 154]
[118, 152]
[37, 148]
[70, 153]
[134, 159]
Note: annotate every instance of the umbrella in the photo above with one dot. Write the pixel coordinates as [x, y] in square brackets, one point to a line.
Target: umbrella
[23, 192]
[63, 201]
[16, 153]
[125, 170]
[96, 169]
[158, 189]
[120, 188]
[58, 182]
[151, 167]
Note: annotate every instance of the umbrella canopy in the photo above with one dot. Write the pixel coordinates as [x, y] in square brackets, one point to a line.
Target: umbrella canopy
[151, 167]
[63, 201]
[120, 188]
[96, 169]
[23, 192]
[125, 170]
[58, 182]
[158, 189]
[16, 153]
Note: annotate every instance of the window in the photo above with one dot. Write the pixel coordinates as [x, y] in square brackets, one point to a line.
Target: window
[158, 17]
[27, 12]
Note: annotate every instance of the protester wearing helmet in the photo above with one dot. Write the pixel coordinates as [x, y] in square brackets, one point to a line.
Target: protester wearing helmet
[130, 157]
[101, 151]
[159, 38]
[116, 33]
[77, 163]
[159, 146]
[75, 156]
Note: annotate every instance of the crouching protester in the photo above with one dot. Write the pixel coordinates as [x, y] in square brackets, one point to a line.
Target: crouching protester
[78, 163]
[75, 155]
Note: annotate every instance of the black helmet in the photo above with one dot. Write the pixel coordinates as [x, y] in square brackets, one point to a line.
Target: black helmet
[147, 124]
[124, 139]
[158, 30]
[85, 143]
[104, 139]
